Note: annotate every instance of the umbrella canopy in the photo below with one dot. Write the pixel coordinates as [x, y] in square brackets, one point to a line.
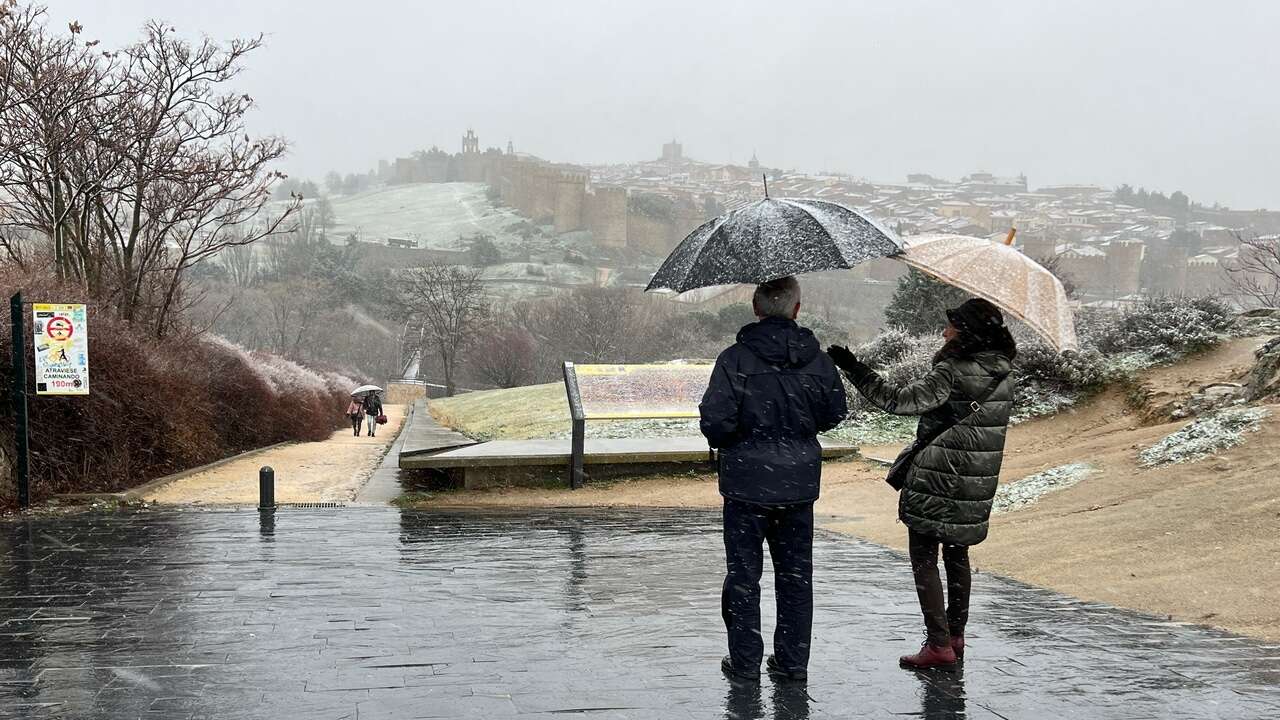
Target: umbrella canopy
[1002, 274]
[365, 390]
[773, 238]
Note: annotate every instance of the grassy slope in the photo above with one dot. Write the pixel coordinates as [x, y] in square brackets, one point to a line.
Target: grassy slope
[536, 411]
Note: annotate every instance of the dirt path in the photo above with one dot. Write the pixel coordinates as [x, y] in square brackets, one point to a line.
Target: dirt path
[328, 471]
[1198, 542]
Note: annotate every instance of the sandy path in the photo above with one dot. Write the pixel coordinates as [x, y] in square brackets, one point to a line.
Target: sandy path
[328, 471]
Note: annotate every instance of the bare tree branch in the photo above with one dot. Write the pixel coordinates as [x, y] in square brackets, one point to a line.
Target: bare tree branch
[449, 304]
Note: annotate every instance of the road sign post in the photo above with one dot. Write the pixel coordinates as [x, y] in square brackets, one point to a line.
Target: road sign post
[22, 444]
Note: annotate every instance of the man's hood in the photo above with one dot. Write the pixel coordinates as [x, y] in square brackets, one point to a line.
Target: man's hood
[780, 342]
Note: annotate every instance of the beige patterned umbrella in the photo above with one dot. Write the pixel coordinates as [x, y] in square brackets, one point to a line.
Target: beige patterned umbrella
[1002, 274]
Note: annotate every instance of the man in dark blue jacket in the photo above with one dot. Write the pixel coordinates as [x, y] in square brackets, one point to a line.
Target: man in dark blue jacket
[770, 395]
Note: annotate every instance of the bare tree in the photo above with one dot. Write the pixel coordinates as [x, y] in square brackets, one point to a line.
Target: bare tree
[504, 356]
[194, 182]
[592, 324]
[241, 264]
[56, 106]
[1255, 271]
[135, 165]
[448, 304]
[293, 309]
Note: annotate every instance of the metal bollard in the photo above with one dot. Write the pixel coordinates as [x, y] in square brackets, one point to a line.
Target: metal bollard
[266, 488]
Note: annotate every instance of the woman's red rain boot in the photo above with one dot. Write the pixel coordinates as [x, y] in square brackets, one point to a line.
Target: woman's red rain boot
[929, 657]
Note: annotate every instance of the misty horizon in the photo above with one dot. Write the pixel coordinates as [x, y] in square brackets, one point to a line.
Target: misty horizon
[1153, 95]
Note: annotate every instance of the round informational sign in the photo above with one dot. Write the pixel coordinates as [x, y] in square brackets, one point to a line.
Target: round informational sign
[58, 328]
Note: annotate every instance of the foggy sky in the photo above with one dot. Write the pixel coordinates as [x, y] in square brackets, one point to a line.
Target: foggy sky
[1169, 95]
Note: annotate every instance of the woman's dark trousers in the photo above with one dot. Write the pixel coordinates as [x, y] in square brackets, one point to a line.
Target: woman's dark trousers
[943, 617]
[789, 531]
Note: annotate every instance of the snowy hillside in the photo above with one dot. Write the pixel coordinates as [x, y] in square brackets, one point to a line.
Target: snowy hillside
[434, 214]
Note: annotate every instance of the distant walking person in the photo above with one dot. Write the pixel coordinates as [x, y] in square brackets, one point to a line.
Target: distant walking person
[948, 476]
[770, 395]
[355, 411]
[373, 409]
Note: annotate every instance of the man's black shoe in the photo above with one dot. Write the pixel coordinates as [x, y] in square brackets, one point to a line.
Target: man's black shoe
[734, 672]
[777, 672]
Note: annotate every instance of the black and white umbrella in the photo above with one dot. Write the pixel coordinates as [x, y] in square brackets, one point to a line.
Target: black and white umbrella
[773, 238]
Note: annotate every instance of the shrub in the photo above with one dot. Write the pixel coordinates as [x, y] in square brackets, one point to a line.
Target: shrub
[900, 357]
[890, 346]
[1167, 327]
[1046, 381]
[158, 407]
[1113, 346]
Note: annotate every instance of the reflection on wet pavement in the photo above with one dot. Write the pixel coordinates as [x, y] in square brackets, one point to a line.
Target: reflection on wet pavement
[377, 613]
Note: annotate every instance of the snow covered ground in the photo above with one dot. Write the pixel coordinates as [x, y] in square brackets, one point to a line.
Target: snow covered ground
[1024, 492]
[1205, 436]
[434, 214]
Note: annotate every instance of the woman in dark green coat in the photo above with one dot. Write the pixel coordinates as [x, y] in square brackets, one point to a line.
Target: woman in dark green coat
[964, 405]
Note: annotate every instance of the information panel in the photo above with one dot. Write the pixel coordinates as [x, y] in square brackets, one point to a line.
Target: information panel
[62, 349]
[642, 391]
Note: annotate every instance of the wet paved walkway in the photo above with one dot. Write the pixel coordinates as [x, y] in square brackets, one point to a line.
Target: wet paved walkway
[365, 613]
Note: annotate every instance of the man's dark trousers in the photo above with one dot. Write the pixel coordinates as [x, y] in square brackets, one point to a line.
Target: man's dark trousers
[789, 532]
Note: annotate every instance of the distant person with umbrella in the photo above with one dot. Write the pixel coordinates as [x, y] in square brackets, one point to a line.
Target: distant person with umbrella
[373, 409]
[360, 406]
[770, 395]
[947, 477]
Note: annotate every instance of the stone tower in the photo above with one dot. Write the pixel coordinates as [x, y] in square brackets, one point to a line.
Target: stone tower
[605, 215]
[470, 143]
[1124, 266]
[672, 151]
[571, 196]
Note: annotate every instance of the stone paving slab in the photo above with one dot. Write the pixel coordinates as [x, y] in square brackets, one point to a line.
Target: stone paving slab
[423, 435]
[362, 613]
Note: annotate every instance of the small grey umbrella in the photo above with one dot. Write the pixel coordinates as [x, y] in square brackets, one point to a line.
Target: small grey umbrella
[773, 238]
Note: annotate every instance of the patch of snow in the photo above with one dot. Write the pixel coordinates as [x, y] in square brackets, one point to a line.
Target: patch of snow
[873, 427]
[1205, 436]
[1128, 363]
[1044, 402]
[1024, 492]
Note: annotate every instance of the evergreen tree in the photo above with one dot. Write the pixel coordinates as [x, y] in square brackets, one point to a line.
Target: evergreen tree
[920, 303]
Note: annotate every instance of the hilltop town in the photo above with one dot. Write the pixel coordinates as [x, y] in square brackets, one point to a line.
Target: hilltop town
[1108, 243]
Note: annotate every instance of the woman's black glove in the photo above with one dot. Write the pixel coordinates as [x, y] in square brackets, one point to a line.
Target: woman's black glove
[844, 359]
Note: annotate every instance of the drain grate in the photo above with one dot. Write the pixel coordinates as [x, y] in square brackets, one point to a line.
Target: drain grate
[310, 505]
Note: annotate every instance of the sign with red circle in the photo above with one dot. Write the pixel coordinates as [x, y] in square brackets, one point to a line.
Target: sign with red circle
[61, 348]
[59, 328]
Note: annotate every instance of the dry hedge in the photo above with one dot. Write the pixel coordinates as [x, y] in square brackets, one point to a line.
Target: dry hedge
[155, 406]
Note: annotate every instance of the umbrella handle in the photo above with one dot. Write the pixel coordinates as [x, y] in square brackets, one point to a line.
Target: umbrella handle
[765, 178]
[1008, 239]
